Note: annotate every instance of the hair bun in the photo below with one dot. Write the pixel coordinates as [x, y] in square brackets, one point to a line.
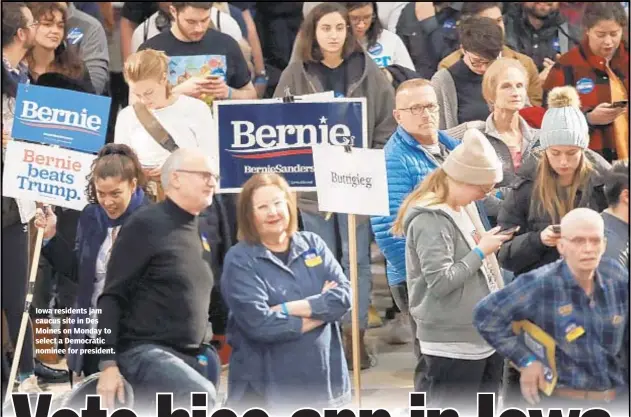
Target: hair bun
[564, 97]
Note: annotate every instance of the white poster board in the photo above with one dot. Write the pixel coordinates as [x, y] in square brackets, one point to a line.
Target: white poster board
[47, 174]
[351, 180]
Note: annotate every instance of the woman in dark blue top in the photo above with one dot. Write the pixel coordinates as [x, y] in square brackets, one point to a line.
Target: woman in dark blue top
[115, 191]
[286, 294]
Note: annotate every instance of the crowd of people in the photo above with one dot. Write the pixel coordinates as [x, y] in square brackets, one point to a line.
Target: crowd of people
[505, 131]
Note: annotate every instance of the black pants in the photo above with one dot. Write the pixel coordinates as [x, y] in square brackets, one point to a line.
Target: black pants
[455, 383]
[400, 296]
[14, 289]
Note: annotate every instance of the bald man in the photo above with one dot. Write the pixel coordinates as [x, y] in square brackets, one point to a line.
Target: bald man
[154, 306]
[581, 301]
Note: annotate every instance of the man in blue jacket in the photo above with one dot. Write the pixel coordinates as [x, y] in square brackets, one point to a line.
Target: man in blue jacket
[414, 150]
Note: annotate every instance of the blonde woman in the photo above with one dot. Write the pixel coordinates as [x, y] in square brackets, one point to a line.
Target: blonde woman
[450, 267]
[187, 120]
[561, 176]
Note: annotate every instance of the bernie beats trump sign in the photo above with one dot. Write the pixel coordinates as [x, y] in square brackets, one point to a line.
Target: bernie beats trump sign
[59, 117]
[270, 136]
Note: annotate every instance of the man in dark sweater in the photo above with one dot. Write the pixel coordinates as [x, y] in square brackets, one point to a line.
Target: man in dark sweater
[154, 306]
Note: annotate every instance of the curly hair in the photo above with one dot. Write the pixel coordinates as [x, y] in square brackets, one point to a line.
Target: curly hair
[114, 160]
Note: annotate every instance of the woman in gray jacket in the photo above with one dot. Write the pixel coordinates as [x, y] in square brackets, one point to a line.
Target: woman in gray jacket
[329, 58]
[451, 265]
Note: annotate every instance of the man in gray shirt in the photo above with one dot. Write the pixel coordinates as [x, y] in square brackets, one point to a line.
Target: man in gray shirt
[616, 217]
[86, 34]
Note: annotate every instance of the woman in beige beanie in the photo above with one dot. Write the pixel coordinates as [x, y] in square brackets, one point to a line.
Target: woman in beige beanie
[451, 265]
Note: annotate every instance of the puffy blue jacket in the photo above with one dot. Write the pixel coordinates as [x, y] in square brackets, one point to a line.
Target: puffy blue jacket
[407, 164]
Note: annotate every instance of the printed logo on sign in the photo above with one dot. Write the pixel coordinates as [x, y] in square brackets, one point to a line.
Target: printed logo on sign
[275, 137]
[32, 114]
[585, 85]
[74, 36]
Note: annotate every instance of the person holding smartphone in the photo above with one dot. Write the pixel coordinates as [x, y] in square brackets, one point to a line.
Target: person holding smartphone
[450, 267]
[561, 175]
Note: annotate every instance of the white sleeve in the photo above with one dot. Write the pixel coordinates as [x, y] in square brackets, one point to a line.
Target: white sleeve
[230, 27]
[203, 127]
[401, 54]
[122, 128]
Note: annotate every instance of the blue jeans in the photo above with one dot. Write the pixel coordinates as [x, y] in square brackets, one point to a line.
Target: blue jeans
[152, 369]
[327, 231]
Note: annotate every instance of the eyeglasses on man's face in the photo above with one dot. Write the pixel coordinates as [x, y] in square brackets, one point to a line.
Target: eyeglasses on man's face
[419, 109]
[206, 176]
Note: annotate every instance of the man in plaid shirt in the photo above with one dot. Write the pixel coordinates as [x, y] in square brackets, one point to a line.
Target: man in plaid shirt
[581, 302]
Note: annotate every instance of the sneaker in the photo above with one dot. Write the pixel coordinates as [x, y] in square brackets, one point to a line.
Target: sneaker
[374, 320]
[29, 385]
[399, 331]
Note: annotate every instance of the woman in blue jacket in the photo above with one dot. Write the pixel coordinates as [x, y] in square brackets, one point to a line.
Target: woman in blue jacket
[286, 294]
[115, 191]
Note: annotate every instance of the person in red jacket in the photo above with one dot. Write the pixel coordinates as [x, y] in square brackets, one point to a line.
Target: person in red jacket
[599, 69]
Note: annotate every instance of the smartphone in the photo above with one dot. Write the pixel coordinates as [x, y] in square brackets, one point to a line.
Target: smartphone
[510, 231]
[556, 228]
[619, 104]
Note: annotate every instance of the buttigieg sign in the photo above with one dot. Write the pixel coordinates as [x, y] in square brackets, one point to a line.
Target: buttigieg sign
[261, 137]
[61, 117]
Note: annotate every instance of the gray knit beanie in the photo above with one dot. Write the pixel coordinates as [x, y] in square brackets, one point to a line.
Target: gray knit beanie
[564, 123]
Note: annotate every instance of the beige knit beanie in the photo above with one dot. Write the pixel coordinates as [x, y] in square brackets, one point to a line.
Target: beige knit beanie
[474, 161]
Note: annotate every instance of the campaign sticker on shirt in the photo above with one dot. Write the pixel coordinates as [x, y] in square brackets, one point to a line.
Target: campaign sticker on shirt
[585, 86]
[312, 259]
[556, 45]
[566, 310]
[449, 24]
[376, 49]
[616, 320]
[205, 244]
[74, 36]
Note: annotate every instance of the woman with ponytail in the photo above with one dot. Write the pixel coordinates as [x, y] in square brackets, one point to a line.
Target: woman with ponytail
[115, 191]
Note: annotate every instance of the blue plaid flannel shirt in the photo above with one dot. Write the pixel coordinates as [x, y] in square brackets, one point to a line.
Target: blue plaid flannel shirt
[551, 298]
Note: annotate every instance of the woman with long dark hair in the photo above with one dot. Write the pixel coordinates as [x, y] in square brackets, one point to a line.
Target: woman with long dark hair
[115, 192]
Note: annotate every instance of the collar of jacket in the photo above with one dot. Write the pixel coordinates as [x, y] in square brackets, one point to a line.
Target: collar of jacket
[298, 245]
[619, 61]
[357, 63]
[449, 142]
[529, 135]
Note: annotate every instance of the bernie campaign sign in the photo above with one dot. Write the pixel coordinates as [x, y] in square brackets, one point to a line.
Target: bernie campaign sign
[60, 117]
[263, 137]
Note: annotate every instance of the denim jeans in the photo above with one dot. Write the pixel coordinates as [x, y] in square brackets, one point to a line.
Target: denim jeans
[316, 223]
[152, 369]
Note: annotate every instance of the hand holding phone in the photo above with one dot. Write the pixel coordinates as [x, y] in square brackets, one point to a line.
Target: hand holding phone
[619, 104]
[510, 230]
[556, 228]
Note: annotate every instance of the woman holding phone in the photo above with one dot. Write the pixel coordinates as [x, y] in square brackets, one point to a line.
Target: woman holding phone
[451, 266]
[561, 175]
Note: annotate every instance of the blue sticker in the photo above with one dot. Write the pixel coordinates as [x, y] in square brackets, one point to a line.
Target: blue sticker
[556, 45]
[376, 49]
[74, 36]
[449, 24]
[585, 86]
[339, 95]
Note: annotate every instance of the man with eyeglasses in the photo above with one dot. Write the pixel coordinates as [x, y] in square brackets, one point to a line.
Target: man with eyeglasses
[415, 149]
[154, 306]
[583, 304]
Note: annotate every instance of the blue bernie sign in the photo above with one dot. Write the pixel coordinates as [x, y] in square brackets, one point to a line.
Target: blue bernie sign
[65, 118]
[262, 137]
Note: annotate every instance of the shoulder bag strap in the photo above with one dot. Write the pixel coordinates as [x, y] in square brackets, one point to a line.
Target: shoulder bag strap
[154, 128]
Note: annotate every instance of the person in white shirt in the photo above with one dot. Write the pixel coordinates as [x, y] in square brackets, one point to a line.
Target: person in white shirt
[188, 120]
[161, 20]
[383, 46]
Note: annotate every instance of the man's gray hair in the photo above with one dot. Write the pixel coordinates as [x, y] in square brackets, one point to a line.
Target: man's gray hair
[172, 164]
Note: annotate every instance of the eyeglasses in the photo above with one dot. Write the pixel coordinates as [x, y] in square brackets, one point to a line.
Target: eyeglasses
[204, 175]
[33, 24]
[487, 190]
[356, 20]
[582, 241]
[418, 110]
[478, 62]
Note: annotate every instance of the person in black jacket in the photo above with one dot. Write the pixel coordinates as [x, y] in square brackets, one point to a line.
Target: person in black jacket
[429, 33]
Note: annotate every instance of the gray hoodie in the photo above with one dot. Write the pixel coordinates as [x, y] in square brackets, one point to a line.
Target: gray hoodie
[366, 81]
[444, 277]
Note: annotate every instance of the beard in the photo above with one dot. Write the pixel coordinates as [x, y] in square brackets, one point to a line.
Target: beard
[534, 12]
